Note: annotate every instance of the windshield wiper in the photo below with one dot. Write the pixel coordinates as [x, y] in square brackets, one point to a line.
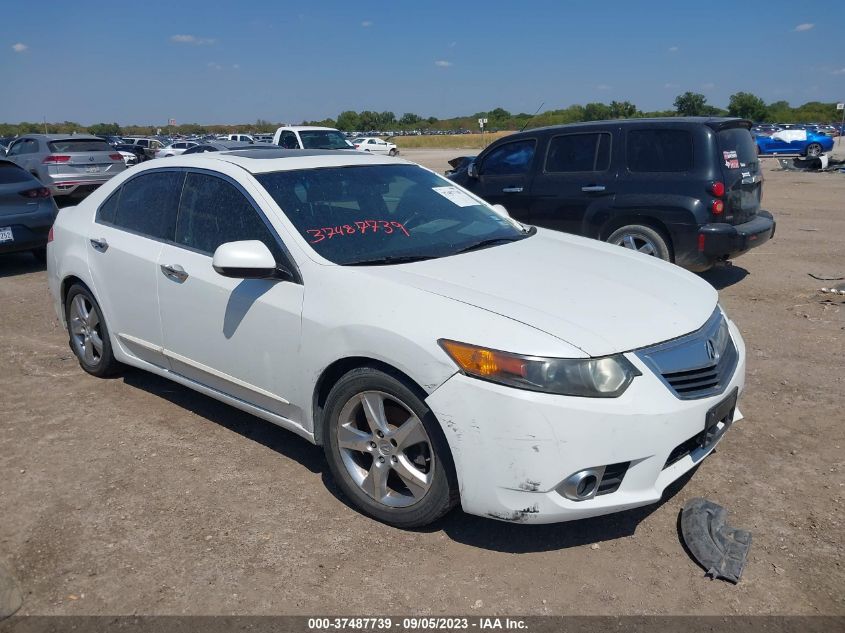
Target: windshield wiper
[391, 259]
[493, 241]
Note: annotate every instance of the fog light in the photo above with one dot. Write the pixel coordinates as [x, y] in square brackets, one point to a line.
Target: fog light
[582, 485]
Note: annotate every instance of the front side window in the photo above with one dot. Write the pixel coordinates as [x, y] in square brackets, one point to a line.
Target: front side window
[508, 159]
[578, 152]
[659, 150]
[385, 213]
[213, 211]
[148, 204]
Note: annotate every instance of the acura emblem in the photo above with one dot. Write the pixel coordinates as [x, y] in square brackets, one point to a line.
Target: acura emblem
[712, 354]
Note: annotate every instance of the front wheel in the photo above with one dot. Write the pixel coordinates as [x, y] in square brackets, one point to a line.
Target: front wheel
[89, 336]
[814, 150]
[392, 152]
[643, 239]
[386, 451]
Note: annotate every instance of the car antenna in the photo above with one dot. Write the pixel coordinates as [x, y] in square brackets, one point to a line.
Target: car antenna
[532, 116]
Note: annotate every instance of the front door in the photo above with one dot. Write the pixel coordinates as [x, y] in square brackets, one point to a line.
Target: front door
[575, 174]
[504, 176]
[237, 336]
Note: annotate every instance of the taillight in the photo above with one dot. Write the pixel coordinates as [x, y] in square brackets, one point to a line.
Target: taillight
[717, 189]
[116, 156]
[50, 235]
[38, 192]
[55, 158]
[701, 242]
[717, 207]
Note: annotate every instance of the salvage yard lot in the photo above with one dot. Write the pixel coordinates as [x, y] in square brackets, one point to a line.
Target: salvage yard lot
[135, 494]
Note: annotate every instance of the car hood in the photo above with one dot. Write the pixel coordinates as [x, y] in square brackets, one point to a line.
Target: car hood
[599, 298]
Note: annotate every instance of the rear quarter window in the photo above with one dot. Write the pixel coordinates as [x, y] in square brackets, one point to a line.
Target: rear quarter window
[659, 150]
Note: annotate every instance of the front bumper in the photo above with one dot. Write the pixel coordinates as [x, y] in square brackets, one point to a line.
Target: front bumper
[513, 449]
[720, 242]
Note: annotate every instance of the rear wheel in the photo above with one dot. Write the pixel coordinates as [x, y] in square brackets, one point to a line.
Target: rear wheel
[643, 239]
[386, 451]
[392, 152]
[814, 150]
[89, 336]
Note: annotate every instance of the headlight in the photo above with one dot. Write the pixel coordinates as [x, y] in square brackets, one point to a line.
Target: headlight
[606, 377]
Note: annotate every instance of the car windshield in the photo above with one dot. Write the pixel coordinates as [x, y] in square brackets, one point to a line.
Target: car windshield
[385, 214]
[323, 139]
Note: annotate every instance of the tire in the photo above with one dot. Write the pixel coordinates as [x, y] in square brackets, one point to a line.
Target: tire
[813, 150]
[392, 152]
[642, 238]
[40, 254]
[83, 333]
[403, 478]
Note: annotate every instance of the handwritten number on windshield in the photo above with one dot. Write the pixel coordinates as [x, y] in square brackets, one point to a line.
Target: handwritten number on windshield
[359, 227]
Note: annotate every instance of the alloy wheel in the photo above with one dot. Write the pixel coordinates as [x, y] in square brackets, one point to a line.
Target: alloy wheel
[385, 449]
[636, 242]
[86, 331]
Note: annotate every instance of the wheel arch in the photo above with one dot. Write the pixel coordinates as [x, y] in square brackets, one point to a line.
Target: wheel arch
[340, 367]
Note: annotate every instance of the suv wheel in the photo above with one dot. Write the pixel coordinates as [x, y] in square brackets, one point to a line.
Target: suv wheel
[386, 451]
[392, 152]
[89, 336]
[814, 150]
[643, 239]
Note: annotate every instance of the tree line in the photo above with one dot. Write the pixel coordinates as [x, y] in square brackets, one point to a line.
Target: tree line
[740, 104]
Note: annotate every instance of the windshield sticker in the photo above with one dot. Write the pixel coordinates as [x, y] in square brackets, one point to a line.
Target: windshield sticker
[729, 155]
[359, 227]
[456, 196]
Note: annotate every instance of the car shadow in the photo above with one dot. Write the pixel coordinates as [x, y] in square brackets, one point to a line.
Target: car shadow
[12, 264]
[720, 277]
[267, 434]
[480, 532]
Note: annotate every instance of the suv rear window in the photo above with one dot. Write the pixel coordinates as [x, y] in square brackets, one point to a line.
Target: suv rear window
[659, 151]
[79, 145]
[11, 173]
[738, 139]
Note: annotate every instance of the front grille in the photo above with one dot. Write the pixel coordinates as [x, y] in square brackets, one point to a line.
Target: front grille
[697, 365]
[612, 478]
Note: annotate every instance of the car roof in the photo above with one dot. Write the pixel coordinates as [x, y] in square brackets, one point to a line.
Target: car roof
[299, 128]
[62, 137]
[711, 121]
[260, 161]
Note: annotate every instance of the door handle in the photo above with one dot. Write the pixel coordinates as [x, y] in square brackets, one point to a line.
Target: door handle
[592, 188]
[512, 190]
[174, 271]
[99, 244]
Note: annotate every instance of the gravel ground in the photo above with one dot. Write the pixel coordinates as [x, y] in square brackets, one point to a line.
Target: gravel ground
[135, 495]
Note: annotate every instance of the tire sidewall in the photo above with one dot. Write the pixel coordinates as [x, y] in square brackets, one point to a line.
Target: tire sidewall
[441, 496]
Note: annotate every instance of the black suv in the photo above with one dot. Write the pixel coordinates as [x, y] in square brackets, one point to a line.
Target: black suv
[685, 189]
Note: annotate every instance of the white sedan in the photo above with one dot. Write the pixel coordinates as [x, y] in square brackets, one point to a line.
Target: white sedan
[375, 145]
[438, 350]
[175, 149]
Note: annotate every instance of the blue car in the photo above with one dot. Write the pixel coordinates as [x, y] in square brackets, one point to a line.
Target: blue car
[795, 141]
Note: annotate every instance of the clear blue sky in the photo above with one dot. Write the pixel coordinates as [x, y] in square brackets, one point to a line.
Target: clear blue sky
[226, 62]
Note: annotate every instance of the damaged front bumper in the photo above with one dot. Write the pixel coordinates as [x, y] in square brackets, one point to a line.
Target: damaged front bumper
[515, 450]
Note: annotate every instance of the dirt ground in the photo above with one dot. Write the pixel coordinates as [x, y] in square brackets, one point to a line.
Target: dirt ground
[136, 495]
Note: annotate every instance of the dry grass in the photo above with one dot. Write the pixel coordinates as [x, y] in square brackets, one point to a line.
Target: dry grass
[450, 141]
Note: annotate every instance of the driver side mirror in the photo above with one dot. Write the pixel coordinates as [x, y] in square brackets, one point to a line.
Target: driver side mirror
[472, 170]
[248, 259]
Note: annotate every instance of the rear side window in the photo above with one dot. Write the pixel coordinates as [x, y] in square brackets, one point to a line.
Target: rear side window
[79, 145]
[213, 212]
[148, 204]
[510, 158]
[659, 151]
[11, 173]
[108, 209]
[578, 152]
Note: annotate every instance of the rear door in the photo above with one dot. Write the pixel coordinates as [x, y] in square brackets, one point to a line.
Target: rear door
[504, 176]
[575, 174]
[124, 243]
[741, 173]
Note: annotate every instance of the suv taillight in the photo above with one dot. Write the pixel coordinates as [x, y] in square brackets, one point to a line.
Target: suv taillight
[717, 188]
[55, 158]
[717, 207]
[38, 192]
[116, 156]
[50, 235]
